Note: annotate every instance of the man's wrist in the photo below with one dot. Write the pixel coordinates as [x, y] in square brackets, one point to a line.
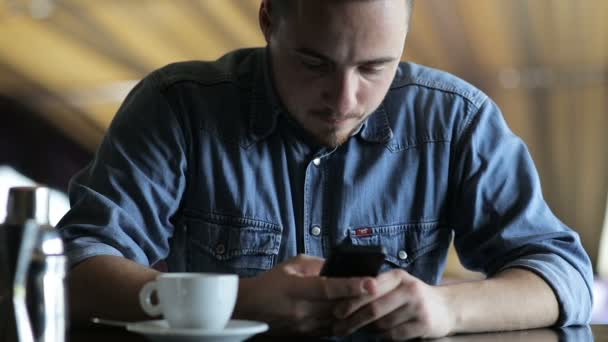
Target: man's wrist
[453, 310]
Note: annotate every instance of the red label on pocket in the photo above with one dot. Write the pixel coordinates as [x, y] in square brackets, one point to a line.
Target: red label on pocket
[364, 231]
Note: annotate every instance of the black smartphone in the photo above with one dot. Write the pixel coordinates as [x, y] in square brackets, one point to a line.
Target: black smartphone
[348, 260]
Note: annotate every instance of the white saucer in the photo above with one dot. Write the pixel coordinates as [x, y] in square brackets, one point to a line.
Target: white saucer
[235, 331]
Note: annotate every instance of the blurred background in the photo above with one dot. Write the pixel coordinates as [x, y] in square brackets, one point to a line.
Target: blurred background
[66, 65]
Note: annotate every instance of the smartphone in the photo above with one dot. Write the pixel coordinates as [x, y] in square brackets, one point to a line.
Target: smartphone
[348, 260]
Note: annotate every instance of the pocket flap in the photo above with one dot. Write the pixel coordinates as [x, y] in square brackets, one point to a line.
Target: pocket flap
[226, 238]
[404, 242]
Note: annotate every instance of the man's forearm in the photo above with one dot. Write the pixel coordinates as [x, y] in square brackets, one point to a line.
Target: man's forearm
[514, 299]
[108, 287]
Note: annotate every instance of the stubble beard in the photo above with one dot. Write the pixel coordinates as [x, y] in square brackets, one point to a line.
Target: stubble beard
[333, 138]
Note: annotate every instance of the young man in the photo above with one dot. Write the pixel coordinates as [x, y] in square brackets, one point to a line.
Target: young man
[261, 162]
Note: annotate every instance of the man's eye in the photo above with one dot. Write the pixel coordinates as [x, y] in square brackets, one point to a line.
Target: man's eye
[371, 69]
[313, 65]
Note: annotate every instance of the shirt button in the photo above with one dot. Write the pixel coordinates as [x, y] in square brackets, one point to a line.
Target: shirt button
[316, 161]
[315, 231]
[220, 249]
[402, 255]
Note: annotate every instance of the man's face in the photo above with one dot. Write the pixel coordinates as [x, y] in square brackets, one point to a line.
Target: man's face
[333, 61]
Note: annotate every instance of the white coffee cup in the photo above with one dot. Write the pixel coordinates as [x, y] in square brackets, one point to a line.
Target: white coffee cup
[192, 300]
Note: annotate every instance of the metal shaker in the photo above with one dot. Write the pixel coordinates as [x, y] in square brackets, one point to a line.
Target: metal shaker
[36, 265]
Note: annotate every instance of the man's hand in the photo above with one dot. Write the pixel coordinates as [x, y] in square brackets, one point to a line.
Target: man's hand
[401, 307]
[294, 299]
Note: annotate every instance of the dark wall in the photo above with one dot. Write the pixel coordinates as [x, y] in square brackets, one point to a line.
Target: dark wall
[36, 148]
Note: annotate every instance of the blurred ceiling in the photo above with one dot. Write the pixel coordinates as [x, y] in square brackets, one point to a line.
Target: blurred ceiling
[545, 62]
[75, 60]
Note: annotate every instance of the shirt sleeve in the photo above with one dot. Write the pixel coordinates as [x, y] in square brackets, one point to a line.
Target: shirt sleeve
[124, 201]
[501, 219]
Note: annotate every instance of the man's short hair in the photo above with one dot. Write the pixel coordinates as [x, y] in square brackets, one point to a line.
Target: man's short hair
[282, 7]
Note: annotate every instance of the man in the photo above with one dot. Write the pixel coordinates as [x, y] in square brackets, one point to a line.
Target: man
[261, 162]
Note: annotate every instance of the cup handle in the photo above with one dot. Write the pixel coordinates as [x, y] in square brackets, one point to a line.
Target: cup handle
[145, 299]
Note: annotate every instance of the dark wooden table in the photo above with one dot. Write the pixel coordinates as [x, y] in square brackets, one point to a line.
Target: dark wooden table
[598, 333]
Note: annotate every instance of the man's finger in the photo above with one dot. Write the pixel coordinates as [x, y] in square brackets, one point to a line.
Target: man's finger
[323, 288]
[303, 310]
[403, 314]
[340, 288]
[386, 282]
[305, 265]
[376, 310]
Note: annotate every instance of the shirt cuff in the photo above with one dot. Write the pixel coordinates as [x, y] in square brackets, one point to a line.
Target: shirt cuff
[79, 253]
[573, 293]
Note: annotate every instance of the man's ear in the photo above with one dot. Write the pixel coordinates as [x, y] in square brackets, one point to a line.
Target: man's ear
[265, 18]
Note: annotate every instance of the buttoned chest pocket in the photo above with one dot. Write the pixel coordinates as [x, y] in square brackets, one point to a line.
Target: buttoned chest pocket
[232, 245]
[420, 248]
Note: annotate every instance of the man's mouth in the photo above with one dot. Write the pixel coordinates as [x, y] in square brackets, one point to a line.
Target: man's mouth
[334, 120]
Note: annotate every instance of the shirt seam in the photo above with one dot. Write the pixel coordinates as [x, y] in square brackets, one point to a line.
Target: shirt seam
[177, 114]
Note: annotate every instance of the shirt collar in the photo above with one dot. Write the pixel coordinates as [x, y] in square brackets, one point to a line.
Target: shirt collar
[377, 127]
[266, 108]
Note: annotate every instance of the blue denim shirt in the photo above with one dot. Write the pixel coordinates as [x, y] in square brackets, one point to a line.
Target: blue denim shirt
[202, 168]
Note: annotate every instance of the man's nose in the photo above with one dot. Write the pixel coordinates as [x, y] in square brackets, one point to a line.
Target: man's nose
[341, 97]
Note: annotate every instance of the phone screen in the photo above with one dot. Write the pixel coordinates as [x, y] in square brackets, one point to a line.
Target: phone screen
[354, 261]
